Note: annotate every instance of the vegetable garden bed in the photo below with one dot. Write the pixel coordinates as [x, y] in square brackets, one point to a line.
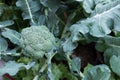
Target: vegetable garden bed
[59, 39]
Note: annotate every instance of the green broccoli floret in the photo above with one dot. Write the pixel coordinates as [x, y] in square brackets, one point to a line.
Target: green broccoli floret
[36, 41]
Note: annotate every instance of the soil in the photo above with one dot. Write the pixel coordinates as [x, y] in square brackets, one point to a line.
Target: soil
[88, 54]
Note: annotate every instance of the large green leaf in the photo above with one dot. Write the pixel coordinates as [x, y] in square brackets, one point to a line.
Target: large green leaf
[52, 21]
[104, 17]
[110, 52]
[12, 35]
[98, 6]
[112, 47]
[30, 8]
[112, 41]
[99, 72]
[12, 67]
[77, 31]
[115, 64]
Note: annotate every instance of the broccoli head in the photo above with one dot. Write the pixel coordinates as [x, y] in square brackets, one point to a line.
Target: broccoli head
[36, 41]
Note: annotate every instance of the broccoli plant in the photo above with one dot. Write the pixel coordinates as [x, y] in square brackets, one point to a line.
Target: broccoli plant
[36, 41]
[39, 39]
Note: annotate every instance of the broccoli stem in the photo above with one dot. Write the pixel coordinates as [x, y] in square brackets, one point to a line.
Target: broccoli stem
[47, 65]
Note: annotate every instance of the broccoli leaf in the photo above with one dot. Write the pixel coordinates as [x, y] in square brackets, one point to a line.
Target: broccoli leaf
[99, 72]
[101, 46]
[115, 68]
[56, 72]
[110, 52]
[11, 67]
[51, 3]
[76, 30]
[29, 8]
[104, 17]
[76, 65]
[112, 47]
[66, 73]
[98, 6]
[12, 35]
[3, 45]
[6, 23]
[69, 46]
[87, 68]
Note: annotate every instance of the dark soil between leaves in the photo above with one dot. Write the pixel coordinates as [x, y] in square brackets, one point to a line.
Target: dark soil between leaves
[88, 54]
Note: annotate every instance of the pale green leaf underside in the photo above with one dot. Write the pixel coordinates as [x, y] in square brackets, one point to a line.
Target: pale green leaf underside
[12, 68]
